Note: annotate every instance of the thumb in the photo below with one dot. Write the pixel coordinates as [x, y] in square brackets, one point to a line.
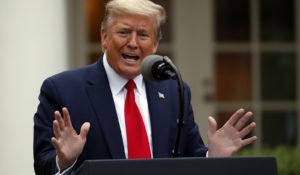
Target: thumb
[84, 130]
[212, 125]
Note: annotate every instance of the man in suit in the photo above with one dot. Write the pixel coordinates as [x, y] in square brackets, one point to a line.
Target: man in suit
[84, 113]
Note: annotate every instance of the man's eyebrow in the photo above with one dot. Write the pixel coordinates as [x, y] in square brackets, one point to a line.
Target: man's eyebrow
[123, 24]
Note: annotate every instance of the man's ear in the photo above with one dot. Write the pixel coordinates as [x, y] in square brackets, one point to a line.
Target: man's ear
[103, 34]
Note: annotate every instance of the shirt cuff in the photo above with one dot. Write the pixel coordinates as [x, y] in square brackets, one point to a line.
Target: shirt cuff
[66, 171]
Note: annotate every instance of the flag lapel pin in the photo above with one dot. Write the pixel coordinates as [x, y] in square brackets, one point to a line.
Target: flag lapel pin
[161, 95]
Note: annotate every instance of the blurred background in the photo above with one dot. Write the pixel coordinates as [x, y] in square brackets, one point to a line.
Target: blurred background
[233, 54]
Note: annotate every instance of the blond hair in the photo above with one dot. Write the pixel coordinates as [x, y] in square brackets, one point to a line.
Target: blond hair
[147, 8]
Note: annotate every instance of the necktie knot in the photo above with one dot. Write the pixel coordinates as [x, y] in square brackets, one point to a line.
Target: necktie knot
[130, 85]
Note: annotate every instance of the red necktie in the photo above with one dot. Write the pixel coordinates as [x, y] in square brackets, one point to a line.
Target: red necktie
[137, 140]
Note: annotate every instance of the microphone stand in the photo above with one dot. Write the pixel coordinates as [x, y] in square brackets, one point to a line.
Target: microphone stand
[180, 121]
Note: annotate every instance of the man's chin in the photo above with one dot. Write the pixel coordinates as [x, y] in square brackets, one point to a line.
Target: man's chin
[130, 74]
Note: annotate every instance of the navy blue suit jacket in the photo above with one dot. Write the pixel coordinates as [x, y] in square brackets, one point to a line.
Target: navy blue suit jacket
[87, 95]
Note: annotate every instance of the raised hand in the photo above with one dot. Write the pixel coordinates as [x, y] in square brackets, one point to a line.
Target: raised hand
[230, 138]
[68, 144]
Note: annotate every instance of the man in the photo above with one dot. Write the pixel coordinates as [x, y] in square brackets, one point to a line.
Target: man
[98, 100]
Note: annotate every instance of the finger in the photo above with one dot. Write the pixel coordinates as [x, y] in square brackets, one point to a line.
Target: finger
[247, 129]
[84, 130]
[235, 117]
[59, 119]
[242, 121]
[67, 118]
[212, 125]
[249, 140]
[56, 129]
[57, 146]
[55, 143]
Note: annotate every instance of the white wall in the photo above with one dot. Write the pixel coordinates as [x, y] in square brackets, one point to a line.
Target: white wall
[32, 47]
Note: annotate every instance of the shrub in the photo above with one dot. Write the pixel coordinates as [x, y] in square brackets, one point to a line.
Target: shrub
[288, 159]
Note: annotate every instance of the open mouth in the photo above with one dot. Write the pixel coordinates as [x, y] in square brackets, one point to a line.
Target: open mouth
[130, 57]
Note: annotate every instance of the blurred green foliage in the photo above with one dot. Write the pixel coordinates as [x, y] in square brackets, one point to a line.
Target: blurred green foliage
[288, 159]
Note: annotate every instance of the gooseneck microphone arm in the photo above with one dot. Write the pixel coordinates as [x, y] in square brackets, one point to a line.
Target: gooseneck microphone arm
[180, 120]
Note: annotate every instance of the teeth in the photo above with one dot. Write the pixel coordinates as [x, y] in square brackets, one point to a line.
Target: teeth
[130, 57]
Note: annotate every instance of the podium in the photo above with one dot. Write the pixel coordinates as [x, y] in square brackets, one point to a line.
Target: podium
[181, 166]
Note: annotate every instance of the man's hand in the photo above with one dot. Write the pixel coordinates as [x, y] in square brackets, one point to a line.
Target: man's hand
[68, 144]
[230, 138]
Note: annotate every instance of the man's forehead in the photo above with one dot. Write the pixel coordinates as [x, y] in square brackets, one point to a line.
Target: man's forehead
[127, 25]
[133, 19]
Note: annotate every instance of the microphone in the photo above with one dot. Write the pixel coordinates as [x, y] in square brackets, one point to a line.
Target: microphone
[158, 68]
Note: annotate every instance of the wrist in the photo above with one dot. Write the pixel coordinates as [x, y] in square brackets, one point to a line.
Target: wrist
[63, 164]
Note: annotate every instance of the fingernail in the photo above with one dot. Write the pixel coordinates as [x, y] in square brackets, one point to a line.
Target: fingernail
[241, 110]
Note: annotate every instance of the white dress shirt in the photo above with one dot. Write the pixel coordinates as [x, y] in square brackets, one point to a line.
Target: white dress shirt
[117, 87]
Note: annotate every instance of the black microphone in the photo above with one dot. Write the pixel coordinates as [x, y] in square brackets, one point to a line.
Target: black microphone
[158, 68]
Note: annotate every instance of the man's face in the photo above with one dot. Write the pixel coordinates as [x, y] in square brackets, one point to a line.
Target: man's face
[127, 41]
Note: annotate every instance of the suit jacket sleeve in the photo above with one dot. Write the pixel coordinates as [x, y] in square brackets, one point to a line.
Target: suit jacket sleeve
[44, 152]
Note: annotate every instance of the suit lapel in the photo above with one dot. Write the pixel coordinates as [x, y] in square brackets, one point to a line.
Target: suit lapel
[102, 101]
[160, 119]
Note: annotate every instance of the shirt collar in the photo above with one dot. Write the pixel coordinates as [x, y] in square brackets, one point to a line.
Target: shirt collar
[117, 82]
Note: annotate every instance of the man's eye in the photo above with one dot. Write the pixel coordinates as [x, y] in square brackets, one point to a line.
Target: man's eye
[144, 35]
[123, 33]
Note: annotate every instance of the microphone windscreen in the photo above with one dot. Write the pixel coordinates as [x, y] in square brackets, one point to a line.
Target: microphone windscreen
[147, 66]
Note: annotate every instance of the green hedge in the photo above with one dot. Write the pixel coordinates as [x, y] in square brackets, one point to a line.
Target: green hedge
[288, 159]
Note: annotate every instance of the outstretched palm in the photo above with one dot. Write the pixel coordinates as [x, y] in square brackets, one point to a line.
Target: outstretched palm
[68, 144]
[230, 137]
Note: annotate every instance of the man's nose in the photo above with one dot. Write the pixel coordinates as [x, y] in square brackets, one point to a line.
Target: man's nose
[133, 44]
